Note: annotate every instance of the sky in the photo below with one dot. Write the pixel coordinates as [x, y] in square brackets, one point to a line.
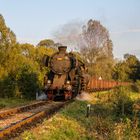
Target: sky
[34, 20]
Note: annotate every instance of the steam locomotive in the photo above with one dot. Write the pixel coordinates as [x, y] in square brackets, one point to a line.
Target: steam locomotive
[67, 75]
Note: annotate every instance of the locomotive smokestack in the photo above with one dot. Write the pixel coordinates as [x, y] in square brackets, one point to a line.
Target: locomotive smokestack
[62, 49]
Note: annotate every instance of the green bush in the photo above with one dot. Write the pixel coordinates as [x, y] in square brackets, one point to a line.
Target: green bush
[22, 83]
[122, 103]
[28, 83]
[7, 86]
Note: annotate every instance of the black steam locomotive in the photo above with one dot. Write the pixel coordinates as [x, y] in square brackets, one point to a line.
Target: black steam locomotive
[66, 77]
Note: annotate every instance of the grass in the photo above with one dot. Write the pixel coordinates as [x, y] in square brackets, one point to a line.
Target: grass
[12, 102]
[106, 120]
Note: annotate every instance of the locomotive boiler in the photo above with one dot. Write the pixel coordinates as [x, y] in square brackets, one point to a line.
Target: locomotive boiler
[66, 77]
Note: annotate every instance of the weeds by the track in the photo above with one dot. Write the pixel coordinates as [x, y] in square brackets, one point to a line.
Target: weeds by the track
[12, 102]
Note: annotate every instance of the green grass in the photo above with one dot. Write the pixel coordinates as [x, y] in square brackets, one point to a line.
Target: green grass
[106, 120]
[12, 102]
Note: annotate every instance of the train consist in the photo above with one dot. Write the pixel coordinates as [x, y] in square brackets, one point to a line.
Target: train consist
[101, 85]
[67, 75]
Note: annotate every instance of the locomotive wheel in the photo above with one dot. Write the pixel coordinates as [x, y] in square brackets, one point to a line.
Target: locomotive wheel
[68, 95]
[50, 95]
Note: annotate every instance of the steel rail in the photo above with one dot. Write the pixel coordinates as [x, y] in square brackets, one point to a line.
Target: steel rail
[10, 112]
[10, 131]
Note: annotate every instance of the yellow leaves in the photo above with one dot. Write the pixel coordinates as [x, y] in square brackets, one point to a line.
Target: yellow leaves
[3, 72]
[7, 36]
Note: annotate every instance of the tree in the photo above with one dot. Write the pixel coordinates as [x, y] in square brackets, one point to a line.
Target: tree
[96, 41]
[128, 69]
[7, 40]
[119, 72]
[19, 66]
[6, 35]
[28, 50]
[133, 65]
[96, 49]
[47, 43]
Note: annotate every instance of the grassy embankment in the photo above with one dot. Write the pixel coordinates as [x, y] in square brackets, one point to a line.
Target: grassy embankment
[6, 103]
[111, 118]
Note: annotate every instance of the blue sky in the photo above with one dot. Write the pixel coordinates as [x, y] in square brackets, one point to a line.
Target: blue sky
[33, 20]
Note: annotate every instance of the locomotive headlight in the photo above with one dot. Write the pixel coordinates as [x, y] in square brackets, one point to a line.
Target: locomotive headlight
[49, 82]
[68, 82]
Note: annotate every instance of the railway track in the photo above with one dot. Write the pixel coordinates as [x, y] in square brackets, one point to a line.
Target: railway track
[12, 111]
[15, 121]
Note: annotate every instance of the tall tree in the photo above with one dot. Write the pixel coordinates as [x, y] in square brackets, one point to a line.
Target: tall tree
[6, 35]
[7, 40]
[96, 49]
[96, 41]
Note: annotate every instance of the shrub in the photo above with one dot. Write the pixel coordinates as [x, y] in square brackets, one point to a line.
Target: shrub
[28, 83]
[21, 83]
[7, 86]
[123, 105]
